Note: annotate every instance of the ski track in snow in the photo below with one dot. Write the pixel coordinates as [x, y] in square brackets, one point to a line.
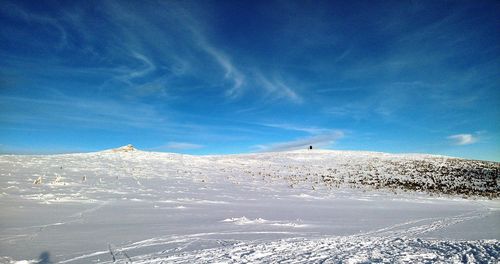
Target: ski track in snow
[395, 244]
[339, 250]
[134, 185]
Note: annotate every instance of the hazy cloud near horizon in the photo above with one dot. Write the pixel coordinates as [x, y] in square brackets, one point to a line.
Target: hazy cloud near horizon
[463, 139]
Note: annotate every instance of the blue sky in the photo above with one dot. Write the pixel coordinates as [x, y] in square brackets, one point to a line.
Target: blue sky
[216, 77]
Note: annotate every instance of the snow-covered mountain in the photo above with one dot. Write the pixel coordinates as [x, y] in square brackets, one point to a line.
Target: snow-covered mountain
[313, 168]
[148, 207]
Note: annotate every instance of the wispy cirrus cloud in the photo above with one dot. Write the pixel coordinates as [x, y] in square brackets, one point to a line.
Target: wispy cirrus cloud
[232, 73]
[78, 112]
[16, 12]
[147, 67]
[463, 139]
[317, 141]
[194, 43]
[316, 136]
[277, 89]
[152, 54]
[309, 130]
[174, 145]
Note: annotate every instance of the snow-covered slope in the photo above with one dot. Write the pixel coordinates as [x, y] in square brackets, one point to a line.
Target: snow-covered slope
[126, 204]
[414, 172]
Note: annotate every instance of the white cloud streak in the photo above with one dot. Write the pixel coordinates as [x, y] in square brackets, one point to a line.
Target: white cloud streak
[200, 40]
[84, 112]
[181, 146]
[231, 72]
[309, 130]
[276, 88]
[148, 66]
[463, 139]
[182, 45]
[317, 141]
[17, 12]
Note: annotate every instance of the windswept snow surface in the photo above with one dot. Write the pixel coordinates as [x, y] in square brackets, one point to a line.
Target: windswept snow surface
[126, 205]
